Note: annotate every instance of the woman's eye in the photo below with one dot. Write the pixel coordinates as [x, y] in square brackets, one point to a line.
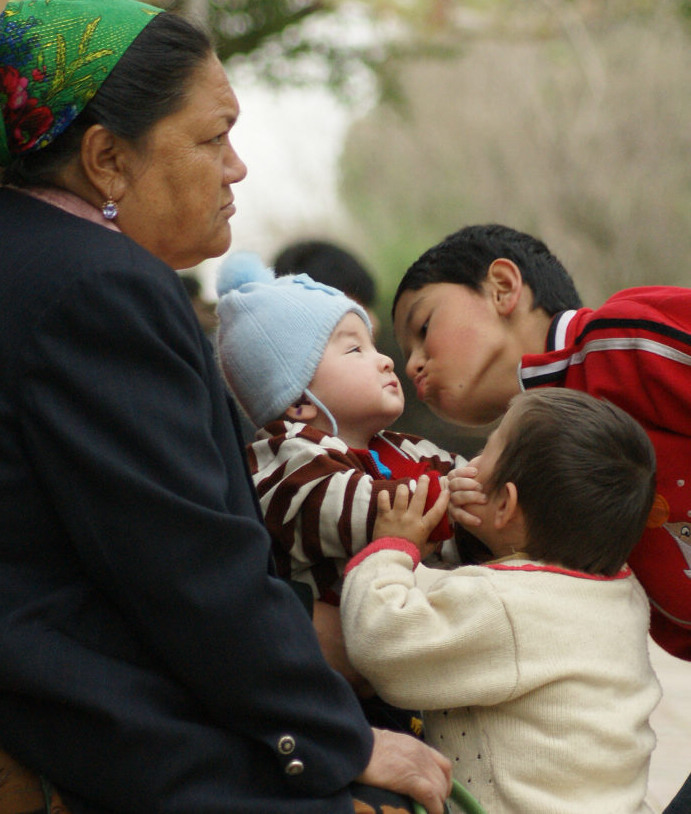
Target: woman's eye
[423, 328]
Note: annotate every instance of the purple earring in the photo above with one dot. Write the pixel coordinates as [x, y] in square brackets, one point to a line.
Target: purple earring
[110, 209]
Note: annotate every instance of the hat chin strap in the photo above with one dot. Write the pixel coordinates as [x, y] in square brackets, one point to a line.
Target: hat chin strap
[324, 409]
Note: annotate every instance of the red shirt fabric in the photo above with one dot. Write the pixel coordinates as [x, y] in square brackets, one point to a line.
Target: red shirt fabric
[635, 351]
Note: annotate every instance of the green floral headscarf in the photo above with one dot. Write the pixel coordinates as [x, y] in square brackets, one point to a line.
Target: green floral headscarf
[54, 56]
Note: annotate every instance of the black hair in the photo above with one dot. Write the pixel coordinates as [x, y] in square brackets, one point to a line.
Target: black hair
[192, 285]
[148, 83]
[329, 264]
[465, 256]
[584, 471]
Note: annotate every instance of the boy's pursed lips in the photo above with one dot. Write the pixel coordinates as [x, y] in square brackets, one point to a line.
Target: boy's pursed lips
[420, 384]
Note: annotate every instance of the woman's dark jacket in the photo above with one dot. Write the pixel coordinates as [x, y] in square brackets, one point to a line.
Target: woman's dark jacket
[149, 660]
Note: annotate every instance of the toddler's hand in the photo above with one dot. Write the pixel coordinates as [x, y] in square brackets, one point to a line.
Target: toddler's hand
[407, 517]
[465, 492]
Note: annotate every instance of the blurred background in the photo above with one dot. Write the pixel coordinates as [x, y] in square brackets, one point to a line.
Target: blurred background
[385, 125]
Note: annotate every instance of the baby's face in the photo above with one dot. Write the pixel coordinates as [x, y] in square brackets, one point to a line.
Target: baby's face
[356, 382]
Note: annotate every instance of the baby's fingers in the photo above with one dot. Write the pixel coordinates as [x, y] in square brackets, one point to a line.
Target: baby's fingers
[463, 517]
[400, 498]
[436, 512]
[464, 497]
[383, 502]
[463, 472]
[419, 495]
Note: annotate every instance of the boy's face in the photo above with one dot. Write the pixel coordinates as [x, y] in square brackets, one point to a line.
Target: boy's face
[357, 383]
[459, 352]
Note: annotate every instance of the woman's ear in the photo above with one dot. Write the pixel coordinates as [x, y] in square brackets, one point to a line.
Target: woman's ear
[505, 284]
[103, 162]
[302, 410]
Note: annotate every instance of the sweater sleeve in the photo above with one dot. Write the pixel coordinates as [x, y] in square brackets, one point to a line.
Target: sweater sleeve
[423, 637]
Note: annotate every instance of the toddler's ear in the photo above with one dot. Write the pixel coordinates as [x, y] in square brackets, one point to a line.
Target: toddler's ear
[302, 410]
[507, 505]
[506, 284]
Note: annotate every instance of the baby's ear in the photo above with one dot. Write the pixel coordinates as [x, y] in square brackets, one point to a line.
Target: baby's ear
[302, 410]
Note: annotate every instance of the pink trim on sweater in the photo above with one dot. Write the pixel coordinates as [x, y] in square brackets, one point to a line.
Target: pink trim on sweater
[558, 569]
[385, 544]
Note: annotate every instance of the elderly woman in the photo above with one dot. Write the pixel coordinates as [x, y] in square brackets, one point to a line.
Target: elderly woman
[149, 659]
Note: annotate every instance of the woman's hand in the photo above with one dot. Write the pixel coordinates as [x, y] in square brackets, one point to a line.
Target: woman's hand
[406, 765]
[465, 492]
[407, 517]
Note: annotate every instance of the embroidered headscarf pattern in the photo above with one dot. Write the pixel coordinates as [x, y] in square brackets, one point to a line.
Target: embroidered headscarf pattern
[54, 56]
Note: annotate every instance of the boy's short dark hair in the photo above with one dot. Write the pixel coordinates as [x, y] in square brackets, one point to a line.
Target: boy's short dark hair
[585, 475]
[465, 257]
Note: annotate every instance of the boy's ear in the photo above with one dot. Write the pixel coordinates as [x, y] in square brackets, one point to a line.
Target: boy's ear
[507, 506]
[505, 283]
[302, 410]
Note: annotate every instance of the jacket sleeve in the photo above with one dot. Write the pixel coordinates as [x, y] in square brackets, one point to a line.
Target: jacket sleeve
[126, 422]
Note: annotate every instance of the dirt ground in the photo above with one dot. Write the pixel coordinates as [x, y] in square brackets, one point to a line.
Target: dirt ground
[671, 761]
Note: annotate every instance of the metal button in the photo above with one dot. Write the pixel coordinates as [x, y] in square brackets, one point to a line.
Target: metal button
[286, 744]
[295, 767]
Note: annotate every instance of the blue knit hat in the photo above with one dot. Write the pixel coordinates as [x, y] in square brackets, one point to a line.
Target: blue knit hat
[273, 332]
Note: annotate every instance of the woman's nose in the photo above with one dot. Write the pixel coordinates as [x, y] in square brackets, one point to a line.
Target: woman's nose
[235, 168]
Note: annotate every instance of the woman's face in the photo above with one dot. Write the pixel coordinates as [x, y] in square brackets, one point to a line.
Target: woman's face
[177, 198]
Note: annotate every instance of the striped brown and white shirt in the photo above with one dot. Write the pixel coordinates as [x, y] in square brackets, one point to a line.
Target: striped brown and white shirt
[319, 496]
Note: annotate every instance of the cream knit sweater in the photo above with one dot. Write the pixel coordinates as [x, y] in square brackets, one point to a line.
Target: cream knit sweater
[534, 681]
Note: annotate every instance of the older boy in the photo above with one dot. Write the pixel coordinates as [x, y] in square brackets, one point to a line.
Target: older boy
[532, 670]
[489, 312]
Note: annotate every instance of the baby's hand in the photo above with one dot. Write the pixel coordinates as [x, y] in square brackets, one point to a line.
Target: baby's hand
[465, 491]
[407, 517]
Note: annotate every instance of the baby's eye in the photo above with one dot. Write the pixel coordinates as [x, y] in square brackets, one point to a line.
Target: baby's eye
[423, 328]
[355, 349]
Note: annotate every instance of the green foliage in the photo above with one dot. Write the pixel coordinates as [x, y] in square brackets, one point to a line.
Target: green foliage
[581, 137]
[309, 42]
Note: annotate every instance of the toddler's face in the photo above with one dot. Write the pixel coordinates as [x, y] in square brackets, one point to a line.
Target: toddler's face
[486, 462]
[487, 458]
[356, 382]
